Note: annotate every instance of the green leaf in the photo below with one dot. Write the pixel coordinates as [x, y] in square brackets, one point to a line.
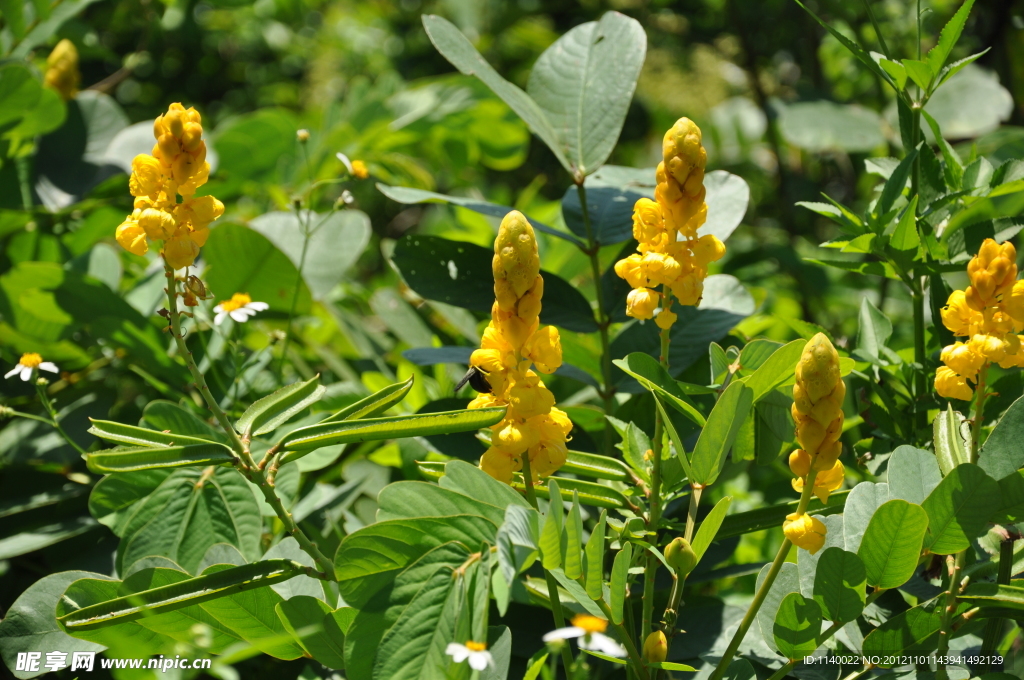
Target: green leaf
[787, 581]
[267, 414]
[305, 439]
[590, 493]
[577, 592]
[191, 510]
[311, 622]
[777, 370]
[459, 273]
[839, 582]
[30, 624]
[894, 186]
[410, 195]
[605, 657]
[133, 459]
[610, 210]
[716, 438]
[915, 630]
[617, 586]
[891, 546]
[824, 126]
[954, 167]
[238, 259]
[905, 236]
[774, 515]
[373, 405]
[797, 626]
[473, 482]
[948, 437]
[709, 527]
[410, 499]
[677, 443]
[168, 598]
[573, 566]
[1002, 455]
[323, 263]
[139, 436]
[670, 666]
[368, 560]
[594, 555]
[959, 509]
[912, 474]
[920, 72]
[873, 333]
[845, 218]
[653, 376]
[949, 36]
[454, 47]
[864, 499]
[896, 71]
[584, 84]
[991, 103]
[552, 536]
[981, 594]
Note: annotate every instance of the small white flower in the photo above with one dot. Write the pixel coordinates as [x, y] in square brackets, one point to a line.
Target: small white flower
[240, 307]
[589, 631]
[476, 652]
[29, 362]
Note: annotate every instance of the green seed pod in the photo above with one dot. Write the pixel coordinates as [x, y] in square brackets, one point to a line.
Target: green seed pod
[680, 556]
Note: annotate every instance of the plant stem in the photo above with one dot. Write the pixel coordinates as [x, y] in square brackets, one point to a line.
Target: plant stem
[762, 592]
[995, 626]
[691, 513]
[295, 295]
[556, 602]
[979, 413]
[955, 566]
[244, 460]
[920, 388]
[54, 421]
[676, 596]
[627, 641]
[607, 391]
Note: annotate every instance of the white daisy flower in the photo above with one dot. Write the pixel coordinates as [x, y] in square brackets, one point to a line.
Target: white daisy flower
[29, 362]
[476, 652]
[240, 307]
[590, 633]
[345, 161]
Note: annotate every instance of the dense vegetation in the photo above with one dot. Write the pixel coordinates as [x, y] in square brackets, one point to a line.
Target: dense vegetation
[743, 381]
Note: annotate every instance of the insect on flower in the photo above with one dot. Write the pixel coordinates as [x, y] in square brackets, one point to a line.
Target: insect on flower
[477, 379]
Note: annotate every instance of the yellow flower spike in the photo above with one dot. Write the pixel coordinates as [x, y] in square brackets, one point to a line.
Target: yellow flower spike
[515, 254]
[655, 647]
[544, 349]
[800, 463]
[62, 70]
[805, 531]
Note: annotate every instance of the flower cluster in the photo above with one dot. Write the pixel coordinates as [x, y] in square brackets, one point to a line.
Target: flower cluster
[670, 253]
[62, 70]
[818, 412]
[512, 343]
[990, 314]
[177, 167]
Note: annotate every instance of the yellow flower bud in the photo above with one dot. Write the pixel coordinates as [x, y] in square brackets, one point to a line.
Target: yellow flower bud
[800, 463]
[648, 224]
[665, 319]
[515, 253]
[962, 359]
[132, 237]
[62, 70]
[158, 224]
[952, 386]
[818, 368]
[655, 647]
[661, 269]
[708, 249]
[544, 349]
[529, 397]
[680, 556]
[641, 303]
[500, 464]
[805, 531]
[547, 457]
[632, 269]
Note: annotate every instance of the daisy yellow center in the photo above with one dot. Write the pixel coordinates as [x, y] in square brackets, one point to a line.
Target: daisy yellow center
[591, 624]
[30, 360]
[237, 301]
[476, 646]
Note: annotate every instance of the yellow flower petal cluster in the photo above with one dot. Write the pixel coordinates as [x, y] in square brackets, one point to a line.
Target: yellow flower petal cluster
[818, 413]
[670, 254]
[177, 167]
[513, 345]
[805, 531]
[990, 314]
[62, 70]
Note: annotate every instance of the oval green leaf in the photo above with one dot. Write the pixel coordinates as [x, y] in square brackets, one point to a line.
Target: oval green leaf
[891, 546]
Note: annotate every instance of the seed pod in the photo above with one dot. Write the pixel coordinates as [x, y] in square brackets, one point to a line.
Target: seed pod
[680, 556]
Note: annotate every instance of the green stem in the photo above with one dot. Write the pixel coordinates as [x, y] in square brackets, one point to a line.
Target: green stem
[762, 592]
[25, 181]
[979, 413]
[556, 602]
[995, 625]
[955, 565]
[675, 597]
[295, 297]
[627, 641]
[607, 391]
[54, 421]
[244, 460]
